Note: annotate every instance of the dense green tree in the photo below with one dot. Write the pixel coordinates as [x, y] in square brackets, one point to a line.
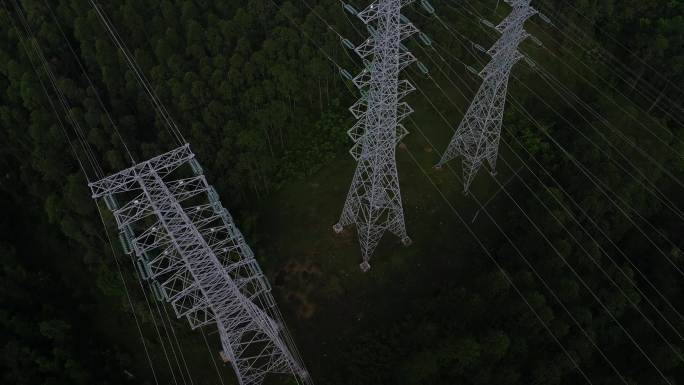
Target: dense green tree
[265, 111]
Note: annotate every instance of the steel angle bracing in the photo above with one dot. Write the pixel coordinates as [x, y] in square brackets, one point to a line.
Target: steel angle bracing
[212, 232]
[511, 43]
[164, 164]
[153, 237]
[136, 209]
[189, 301]
[499, 67]
[225, 250]
[120, 182]
[178, 284]
[230, 253]
[488, 71]
[230, 250]
[168, 261]
[517, 56]
[370, 13]
[245, 270]
[198, 212]
[505, 23]
[404, 59]
[200, 317]
[355, 150]
[207, 221]
[249, 278]
[186, 188]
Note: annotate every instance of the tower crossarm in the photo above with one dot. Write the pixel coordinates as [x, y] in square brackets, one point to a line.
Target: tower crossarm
[125, 180]
[362, 80]
[365, 49]
[359, 108]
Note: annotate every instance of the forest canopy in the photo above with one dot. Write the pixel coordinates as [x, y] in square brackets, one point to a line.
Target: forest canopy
[574, 271]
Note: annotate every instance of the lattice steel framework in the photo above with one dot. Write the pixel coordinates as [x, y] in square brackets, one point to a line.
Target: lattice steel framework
[477, 136]
[188, 246]
[373, 202]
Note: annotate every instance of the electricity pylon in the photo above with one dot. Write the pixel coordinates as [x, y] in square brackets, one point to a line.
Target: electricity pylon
[478, 134]
[187, 244]
[373, 202]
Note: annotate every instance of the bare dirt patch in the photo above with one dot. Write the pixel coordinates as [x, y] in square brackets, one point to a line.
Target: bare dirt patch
[298, 278]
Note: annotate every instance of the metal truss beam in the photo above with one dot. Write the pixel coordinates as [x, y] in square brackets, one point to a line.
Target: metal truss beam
[192, 252]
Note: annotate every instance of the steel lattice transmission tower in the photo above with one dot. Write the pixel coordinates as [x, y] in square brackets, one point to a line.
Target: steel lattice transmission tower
[477, 136]
[373, 203]
[188, 246]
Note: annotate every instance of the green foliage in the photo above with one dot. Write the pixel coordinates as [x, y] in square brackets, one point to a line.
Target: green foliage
[266, 114]
[40, 340]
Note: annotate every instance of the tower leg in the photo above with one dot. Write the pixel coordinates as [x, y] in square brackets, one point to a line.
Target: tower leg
[492, 164]
[469, 171]
[351, 206]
